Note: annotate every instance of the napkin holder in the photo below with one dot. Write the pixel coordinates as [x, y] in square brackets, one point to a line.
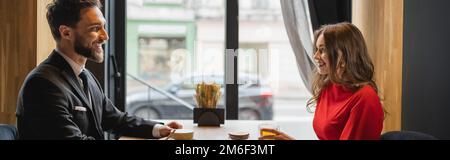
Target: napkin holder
[209, 117]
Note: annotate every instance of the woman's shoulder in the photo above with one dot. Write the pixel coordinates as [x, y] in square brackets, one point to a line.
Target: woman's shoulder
[367, 92]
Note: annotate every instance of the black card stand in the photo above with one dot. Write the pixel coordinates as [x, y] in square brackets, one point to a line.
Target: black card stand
[209, 117]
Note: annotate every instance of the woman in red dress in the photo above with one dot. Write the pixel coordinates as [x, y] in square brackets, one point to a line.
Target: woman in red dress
[347, 106]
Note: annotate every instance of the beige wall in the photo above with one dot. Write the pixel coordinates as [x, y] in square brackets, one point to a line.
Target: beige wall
[23, 44]
[381, 22]
[45, 44]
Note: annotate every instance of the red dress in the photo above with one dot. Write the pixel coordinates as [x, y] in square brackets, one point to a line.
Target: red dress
[343, 114]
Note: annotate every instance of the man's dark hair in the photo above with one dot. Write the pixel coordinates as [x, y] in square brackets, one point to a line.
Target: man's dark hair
[67, 12]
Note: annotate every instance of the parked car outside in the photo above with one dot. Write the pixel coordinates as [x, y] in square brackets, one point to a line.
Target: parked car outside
[255, 98]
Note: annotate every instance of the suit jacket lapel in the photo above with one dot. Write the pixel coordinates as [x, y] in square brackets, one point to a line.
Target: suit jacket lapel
[96, 110]
[87, 102]
[67, 72]
[77, 87]
[92, 85]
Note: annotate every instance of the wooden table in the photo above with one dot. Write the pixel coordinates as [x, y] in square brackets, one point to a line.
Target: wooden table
[301, 130]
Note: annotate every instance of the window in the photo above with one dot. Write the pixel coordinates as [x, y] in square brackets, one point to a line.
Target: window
[171, 45]
[159, 60]
[277, 91]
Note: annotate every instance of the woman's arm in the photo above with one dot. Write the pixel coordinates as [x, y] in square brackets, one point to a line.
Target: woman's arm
[365, 121]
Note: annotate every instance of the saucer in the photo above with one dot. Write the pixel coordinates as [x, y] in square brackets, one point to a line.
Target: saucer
[183, 134]
[238, 135]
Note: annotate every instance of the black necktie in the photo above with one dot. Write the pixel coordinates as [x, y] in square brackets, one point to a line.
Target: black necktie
[83, 76]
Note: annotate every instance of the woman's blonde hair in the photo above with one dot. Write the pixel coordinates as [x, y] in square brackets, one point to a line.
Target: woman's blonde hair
[346, 49]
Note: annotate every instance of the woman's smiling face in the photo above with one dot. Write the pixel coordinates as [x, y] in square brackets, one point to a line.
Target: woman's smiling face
[321, 56]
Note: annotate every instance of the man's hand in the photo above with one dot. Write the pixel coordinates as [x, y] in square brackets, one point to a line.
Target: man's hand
[165, 130]
[277, 135]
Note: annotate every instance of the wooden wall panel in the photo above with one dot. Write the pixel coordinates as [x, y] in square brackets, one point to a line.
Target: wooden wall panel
[17, 51]
[25, 41]
[381, 22]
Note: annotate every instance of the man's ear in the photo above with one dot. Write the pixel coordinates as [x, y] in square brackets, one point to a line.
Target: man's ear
[66, 32]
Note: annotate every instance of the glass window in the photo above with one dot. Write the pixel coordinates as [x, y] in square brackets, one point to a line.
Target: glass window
[271, 87]
[171, 45]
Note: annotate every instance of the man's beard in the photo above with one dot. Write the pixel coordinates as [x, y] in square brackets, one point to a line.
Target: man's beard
[87, 52]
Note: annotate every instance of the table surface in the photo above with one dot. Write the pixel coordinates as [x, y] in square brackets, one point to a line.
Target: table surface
[301, 130]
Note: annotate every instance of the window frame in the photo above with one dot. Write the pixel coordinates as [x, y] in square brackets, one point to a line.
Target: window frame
[116, 53]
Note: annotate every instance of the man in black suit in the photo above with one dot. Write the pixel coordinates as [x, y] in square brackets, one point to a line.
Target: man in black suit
[60, 99]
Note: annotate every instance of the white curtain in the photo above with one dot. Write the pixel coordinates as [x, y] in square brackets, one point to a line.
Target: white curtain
[299, 29]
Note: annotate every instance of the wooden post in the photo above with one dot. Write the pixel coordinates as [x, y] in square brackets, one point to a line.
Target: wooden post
[381, 22]
[23, 45]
